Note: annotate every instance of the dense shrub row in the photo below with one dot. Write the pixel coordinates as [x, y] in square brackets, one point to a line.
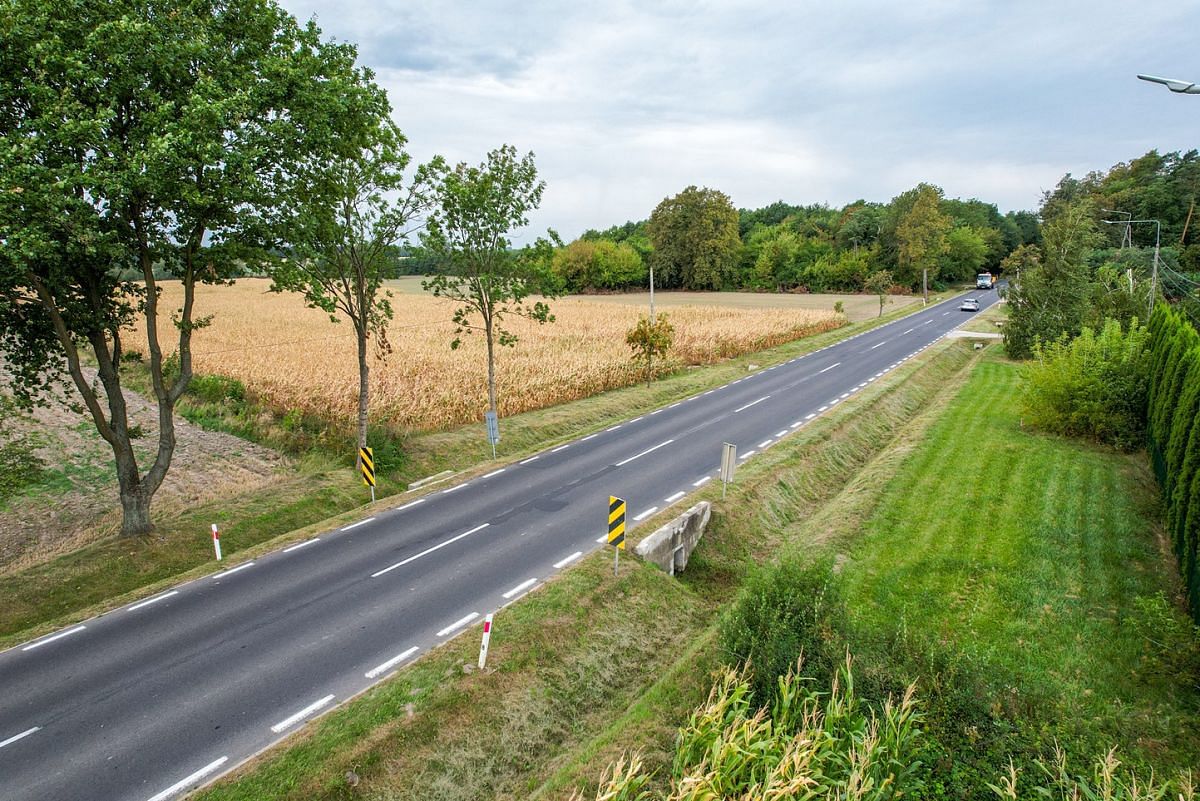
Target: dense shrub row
[1174, 437]
[1091, 386]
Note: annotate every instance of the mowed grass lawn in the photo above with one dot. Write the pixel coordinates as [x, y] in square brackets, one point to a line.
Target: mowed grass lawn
[1024, 559]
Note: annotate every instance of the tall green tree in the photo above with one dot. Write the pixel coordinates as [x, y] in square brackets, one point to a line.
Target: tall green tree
[921, 236]
[695, 239]
[475, 210]
[140, 140]
[1050, 297]
[345, 218]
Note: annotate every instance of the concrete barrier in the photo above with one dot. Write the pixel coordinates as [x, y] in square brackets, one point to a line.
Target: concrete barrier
[670, 546]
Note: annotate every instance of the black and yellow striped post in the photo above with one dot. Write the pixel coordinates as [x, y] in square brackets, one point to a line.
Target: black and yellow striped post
[616, 528]
[366, 465]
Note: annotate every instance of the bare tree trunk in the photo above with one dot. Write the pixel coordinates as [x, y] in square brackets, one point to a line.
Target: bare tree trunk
[491, 356]
[363, 384]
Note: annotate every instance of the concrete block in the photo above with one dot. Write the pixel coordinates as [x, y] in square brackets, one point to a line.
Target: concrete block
[670, 546]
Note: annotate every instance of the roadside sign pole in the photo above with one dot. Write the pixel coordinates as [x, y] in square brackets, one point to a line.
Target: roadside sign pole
[366, 465]
[493, 429]
[728, 463]
[616, 528]
[216, 541]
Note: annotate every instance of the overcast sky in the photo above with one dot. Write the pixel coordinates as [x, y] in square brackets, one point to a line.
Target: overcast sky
[809, 102]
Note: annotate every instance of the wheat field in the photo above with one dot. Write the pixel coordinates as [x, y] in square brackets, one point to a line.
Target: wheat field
[293, 358]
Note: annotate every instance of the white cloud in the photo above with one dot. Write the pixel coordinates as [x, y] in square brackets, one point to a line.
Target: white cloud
[627, 103]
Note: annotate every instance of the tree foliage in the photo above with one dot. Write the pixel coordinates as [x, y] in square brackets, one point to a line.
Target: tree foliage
[344, 219]
[140, 140]
[1092, 386]
[648, 339]
[475, 210]
[1050, 298]
[695, 239]
[590, 265]
[921, 236]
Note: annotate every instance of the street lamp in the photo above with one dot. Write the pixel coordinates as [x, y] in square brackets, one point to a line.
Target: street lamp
[1128, 234]
[1154, 274]
[1174, 84]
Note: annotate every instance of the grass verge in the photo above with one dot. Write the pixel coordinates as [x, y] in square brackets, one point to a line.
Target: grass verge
[589, 664]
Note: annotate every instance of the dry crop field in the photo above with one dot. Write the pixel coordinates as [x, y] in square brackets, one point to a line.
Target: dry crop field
[294, 358]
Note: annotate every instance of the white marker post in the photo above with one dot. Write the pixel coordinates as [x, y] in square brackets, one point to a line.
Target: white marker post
[487, 636]
[216, 541]
[728, 463]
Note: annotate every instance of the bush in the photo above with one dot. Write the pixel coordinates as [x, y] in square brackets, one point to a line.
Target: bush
[20, 465]
[216, 389]
[1092, 386]
[784, 612]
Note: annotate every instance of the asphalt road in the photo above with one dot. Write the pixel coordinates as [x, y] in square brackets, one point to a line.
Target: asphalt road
[155, 698]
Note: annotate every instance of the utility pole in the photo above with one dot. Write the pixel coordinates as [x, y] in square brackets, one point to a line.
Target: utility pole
[1154, 268]
[652, 293]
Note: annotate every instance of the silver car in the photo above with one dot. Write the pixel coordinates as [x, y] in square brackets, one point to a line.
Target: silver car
[970, 304]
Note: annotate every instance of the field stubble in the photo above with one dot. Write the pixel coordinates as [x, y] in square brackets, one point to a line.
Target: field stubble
[294, 359]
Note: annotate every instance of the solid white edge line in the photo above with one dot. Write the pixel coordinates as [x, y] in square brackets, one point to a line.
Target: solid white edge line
[751, 403]
[561, 563]
[232, 570]
[430, 550]
[356, 525]
[458, 624]
[195, 777]
[675, 497]
[830, 367]
[16, 737]
[519, 587]
[391, 663]
[410, 504]
[300, 545]
[494, 473]
[58, 636]
[643, 453]
[646, 513]
[154, 600]
[702, 481]
[292, 720]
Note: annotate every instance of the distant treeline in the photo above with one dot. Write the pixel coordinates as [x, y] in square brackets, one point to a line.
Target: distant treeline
[698, 240]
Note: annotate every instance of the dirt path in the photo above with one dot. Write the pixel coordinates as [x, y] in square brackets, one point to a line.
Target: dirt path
[76, 503]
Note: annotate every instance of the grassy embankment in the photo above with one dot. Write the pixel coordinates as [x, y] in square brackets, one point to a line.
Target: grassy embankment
[1016, 599]
[1019, 579]
[588, 665]
[322, 492]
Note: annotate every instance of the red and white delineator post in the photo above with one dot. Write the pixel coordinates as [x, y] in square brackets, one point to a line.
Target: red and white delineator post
[216, 541]
[487, 636]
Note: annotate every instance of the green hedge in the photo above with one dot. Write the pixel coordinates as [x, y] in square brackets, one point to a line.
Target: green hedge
[1173, 436]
